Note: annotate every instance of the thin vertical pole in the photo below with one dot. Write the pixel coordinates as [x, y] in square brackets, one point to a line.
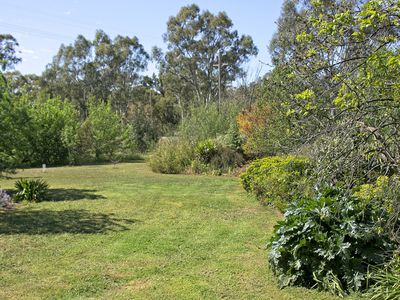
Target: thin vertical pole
[219, 80]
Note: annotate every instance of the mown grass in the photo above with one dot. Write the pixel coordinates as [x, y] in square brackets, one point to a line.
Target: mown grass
[123, 232]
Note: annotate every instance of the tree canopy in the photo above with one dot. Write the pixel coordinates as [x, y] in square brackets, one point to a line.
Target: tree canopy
[195, 39]
[105, 68]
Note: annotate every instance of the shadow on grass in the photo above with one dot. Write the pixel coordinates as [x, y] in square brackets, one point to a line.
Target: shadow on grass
[56, 222]
[72, 195]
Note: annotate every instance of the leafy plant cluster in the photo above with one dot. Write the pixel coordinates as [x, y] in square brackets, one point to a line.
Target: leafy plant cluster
[386, 281]
[329, 241]
[175, 155]
[211, 141]
[277, 180]
[205, 151]
[31, 190]
[50, 131]
[215, 157]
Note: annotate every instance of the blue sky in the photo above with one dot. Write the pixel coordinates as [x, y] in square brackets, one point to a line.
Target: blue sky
[42, 26]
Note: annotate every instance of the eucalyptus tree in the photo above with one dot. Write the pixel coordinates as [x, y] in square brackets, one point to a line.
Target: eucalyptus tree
[12, 138]
[105, 68]
[194, 40]
[8, 52]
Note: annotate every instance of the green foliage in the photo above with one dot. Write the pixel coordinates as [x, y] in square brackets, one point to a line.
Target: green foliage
[8, 58]
[103, 68]
[277, 179]
[205, 150]
[108, 136]
[171, 156]
[340, 90]
[329, 241]
[31, 190]
[208, 122]
[194, 38]
[13, 132]
[234, 139]
[386, 281]
[226, 160]
[214, 158]
[386, 191]
[52, 131]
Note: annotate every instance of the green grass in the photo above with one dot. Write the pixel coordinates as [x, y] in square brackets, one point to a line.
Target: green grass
[123, 232]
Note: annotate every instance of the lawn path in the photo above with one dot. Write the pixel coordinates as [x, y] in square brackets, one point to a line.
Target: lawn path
[124, 232]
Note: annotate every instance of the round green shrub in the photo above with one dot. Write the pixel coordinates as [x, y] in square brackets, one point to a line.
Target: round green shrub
[277, 179]
[329, 241]
[171, 156]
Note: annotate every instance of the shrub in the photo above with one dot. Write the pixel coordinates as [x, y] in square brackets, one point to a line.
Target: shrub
[387, 281]
[265, 130]
[31, 190]
[385, 190]
[5, 200]
[329, 241]
[108, 134]
[226, 159]
[171, 156]
[277, 179]
[52, 125]
[197, 167]
[207, 122]
[205, 150]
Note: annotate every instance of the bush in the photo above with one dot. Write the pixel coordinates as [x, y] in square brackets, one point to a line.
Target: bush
[31, 190]
[207, 122]
[226, 159]
[171, 156]
[386, 191]
[205, 150]
[387, 281]
[5, 200]
[277, 179]
[212, 157]
[329, 241]
[51, 126]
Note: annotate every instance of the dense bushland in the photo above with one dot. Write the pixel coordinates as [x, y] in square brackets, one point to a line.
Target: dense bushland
[210, 140]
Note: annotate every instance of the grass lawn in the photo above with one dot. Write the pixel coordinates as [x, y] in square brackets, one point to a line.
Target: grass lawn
[123, 232]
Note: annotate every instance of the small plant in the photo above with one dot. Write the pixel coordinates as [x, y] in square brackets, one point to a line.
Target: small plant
[31, 190]
[329, 241]
[5, 200]
[205, 151]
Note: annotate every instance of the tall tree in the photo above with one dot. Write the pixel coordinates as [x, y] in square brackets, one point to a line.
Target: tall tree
[8, 57]
[345, 65]
[12, 138]
[194, 40]
[105, 68]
